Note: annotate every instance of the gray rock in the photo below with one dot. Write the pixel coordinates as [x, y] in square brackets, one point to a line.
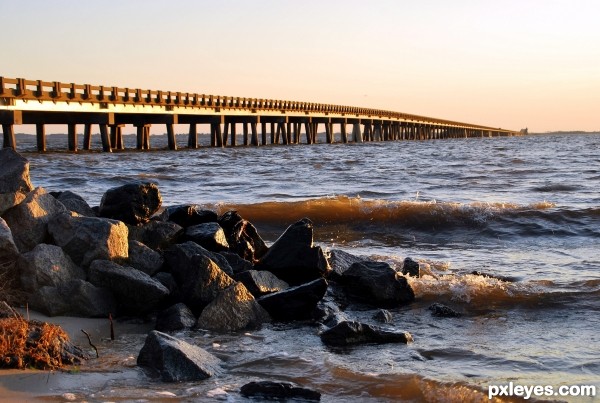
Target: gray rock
[14, 179]
[296, 302]
[443, 311]
[352, 333]
[383, 316]
[186, 215]
[156, 234]
[168, 281]
[176, 317]
[28, 220]
[377, 284]
[236, 263]
[209, 235]
[133, 203]
[261, 283]
[180, 255]
[242, 236]
[74, 202]
[46, 265]
[293, 258]
[136, 292]
[143, 258]
[411, 268]
[86, 239]
[280, 391]
[175, 360]
[49, 301]
[328, 313]
[341, 261]
[8, 250]
[232, 309]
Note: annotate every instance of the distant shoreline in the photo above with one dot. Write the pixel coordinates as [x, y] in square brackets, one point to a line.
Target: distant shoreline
[565, 132]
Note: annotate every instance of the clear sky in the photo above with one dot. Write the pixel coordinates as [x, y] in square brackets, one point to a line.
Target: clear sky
[510, 64]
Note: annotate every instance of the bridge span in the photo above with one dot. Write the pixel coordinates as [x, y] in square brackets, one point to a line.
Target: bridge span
[40, 103]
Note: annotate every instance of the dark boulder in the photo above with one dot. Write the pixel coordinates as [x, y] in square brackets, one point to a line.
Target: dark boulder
[74, 202]
[156, 234]
[143, 258]
[46, 265]
[278, 391]
[8, 250]
[328, 313]
[14, 179]
[383, 316]
[341, 261]
[352, 333]
[242, 236]
[175, 360]
[411, 268]
[186, 215]
[178, 257]
[209, 235]
[293, 258]
[133, 203]
[260, 283]
[168, 281]
[176, 317]
[377, 284]
[236, 263]
[295, 303]
[507, 279]
[443, 311]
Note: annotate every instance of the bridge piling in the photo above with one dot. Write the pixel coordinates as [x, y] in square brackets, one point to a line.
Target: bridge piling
[10, 140]
[254, 130]
[193, 136]
[40, 134]
[105, 138]
[87, 136]
[72, 137]
[172, 144]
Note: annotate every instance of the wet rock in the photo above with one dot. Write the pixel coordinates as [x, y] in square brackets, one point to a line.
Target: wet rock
[46, 265]
[8, 249]
[176, 317]
[180, 254]
[383, 316]
[187, 215]
[341, 261]
[133, 203]
[352, 333]
[156, 234]
[233, 309]
[136, 292]
[411, 268]
[295, 303]
[74, 202]
[278, 391]
[86, 239]
[143, 258]
[175, 360]
[14, 179]
[328, 313]
[28, 220]
[293, 258]
[236, 263]
[242, 236]
[443, 311]
[507, 279]
[377, 284]
[260, 283]
[208, 235]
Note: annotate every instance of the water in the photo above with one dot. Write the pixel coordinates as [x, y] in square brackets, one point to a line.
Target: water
[527, 208]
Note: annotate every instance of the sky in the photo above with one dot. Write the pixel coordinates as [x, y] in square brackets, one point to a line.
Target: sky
[505, 63]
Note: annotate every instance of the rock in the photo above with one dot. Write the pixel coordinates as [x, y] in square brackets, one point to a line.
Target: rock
[143, 258]
[14, 179]
[242, 236]
[233, 309]
[236, 263]
[186, 215]
[278, 391]
[46, 265]
[411, 268]
[341, 261]
[260, 283]
[49, 301]
[156, 234]
[136, 292]
[28, 220]
[443, 311]
[176, 317]
[507, 279]
[181, 254]
[293, 258]
[351, 333]
[175, 360]
[296, 302]
[86, 239]
[199, 278]
[74, 202]
[133, 203]
[377, 284]
[8, 250]
[209, 235]
[168, 281]
[383, 316]
[328, 313]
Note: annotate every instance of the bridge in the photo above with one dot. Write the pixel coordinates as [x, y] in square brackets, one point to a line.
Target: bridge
[39, 103]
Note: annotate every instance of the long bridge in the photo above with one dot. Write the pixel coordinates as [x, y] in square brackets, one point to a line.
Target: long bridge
[40, 103]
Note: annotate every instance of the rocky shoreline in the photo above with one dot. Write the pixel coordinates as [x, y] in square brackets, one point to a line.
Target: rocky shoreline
[186, 268]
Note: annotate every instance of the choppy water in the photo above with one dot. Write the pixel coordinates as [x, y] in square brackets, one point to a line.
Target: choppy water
[522, 207]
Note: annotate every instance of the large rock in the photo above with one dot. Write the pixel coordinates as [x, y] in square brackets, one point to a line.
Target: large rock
[136, 292]
[341, 261]
[261, 283]
[46, 265]
[232, 309]
[28, 220]
[156, 234]
[411, 267]
[175, 360]
[296, 302]
[74, 202]
[186, 215]
[176, 317]
[443, 311]
[279, 391]
[209, 235]
[86, 239]
[8, 249]
[133, 203]
[236, 263]
[242, 236]
[14, 179]
[293, 258]
[74, 298]
[180, 255]
[377, 284]
[328, 313]
[143, 258]
[350, 333]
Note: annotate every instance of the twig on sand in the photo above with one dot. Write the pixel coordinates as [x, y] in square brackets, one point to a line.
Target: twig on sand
[90, 341]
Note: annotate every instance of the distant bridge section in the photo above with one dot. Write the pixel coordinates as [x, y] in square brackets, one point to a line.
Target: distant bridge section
[41, 103]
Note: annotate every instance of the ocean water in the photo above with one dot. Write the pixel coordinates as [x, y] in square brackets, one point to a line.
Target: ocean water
[525, 209]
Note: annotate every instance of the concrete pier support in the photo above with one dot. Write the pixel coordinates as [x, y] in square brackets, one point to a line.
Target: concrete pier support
[307, 128]
[87, 136]
[143, 137]
[329, 133]
[116, 137]
[40, 134]
[10, 141]
[264, 133]
[356, 135]
[245, 131]
[343, 132]
[72, 137]
[254, 130]
[105, 138]
[193, 136]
